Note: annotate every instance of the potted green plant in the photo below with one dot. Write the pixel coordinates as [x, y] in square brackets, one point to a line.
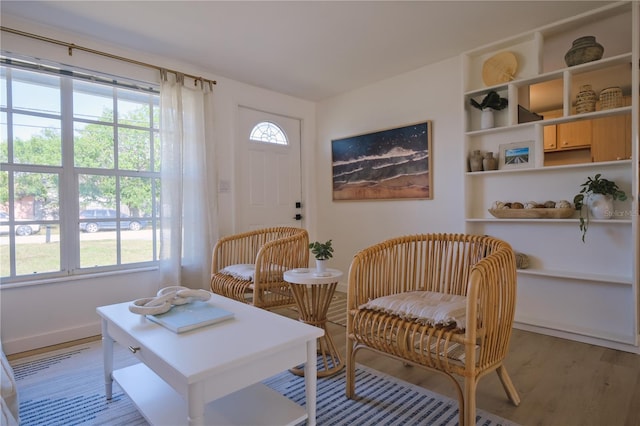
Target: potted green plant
[322, 252]
[597, 194]
[491, 102]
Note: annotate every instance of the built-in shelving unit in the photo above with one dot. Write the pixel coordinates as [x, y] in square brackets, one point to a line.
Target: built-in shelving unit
[587, 291]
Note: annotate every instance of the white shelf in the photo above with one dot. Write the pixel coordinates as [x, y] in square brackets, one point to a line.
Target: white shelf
[599, 278]
[555, 75]
[604, 272]
[551, 121]
[599, 165]
[161, 405]
[548, 221]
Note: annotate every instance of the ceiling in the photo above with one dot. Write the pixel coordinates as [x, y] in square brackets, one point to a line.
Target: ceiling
[308, 49]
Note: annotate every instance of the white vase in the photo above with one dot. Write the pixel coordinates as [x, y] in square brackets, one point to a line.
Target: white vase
[321, 266]
[601, 206]
[486, 119]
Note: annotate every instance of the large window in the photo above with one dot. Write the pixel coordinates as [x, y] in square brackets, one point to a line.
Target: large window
[79, 173]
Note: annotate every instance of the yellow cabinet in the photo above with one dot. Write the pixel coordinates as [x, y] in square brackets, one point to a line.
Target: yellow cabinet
[611, 138]
[573, 135]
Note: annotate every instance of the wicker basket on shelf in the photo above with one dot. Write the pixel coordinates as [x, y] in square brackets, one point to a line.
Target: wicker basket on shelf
[611, 97]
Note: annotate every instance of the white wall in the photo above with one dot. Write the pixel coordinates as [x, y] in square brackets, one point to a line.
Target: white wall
[40, 315]
[429, 93]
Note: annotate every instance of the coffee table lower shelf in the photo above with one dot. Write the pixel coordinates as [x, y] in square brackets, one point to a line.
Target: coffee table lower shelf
[160, 404]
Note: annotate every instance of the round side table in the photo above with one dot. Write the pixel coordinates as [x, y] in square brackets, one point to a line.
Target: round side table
[313, 295]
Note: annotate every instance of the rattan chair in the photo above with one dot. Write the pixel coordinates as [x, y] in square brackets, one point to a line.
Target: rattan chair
[477, 272]
[249, 267]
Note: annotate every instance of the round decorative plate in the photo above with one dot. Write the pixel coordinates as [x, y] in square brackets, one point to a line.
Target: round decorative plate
[499, 68]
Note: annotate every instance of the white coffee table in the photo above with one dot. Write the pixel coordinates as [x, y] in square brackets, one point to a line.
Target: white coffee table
[212, 375]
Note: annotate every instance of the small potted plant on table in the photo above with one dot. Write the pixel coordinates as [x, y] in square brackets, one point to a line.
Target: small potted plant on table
[597, 194]
[322, 253]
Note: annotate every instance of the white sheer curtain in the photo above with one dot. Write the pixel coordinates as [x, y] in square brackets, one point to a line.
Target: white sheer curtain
[188, 205]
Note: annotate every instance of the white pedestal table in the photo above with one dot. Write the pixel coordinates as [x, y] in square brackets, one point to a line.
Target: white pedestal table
[313, 294]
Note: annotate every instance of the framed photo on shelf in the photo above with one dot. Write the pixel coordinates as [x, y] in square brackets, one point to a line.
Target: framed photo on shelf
[390, 164]
[517, 155]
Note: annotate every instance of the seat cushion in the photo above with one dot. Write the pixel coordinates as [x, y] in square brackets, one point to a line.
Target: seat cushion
[242, 271]
[428, 307]
[246, 272]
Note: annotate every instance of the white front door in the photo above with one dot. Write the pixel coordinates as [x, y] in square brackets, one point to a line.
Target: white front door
[269, 179]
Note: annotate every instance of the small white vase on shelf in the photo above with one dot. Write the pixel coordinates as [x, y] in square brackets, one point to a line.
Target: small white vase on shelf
[486, 119]
[601, 206]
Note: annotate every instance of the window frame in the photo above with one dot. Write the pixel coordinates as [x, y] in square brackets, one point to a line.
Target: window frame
[68, 174]
[281, 138]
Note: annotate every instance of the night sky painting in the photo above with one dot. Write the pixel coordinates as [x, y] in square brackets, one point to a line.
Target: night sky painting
[388, 164]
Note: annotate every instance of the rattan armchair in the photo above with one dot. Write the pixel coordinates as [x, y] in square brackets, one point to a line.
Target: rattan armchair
[249, 266]
[476, 272]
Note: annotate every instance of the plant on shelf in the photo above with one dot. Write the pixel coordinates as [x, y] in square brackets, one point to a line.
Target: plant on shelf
[492, 100]
[322, 251]
[593, 186]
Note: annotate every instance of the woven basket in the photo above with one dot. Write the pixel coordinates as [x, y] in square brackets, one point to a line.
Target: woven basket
[611, 97]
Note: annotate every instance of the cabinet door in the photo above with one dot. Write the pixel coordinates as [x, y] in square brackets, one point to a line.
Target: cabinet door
[576, 134]
[550, 138]
[611, 138]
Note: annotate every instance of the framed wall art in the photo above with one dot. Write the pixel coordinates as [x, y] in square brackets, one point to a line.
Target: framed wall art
[517, 155]
[387, 164]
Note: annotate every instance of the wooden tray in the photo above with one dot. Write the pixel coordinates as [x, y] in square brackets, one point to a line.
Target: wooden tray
[551, 213]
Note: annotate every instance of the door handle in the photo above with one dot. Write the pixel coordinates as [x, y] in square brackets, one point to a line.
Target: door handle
[298, 216]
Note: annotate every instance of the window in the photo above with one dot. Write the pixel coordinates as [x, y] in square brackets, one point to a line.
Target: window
[79, 173]
[268, 132]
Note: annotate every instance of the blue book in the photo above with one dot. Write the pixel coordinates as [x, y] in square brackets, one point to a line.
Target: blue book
[181, 318]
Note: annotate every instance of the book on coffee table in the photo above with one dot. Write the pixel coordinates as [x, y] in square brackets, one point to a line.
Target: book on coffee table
[181, 318]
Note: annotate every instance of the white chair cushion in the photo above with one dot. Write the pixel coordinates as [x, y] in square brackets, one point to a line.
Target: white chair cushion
[428, 307]
[246, 272]
[242, 271]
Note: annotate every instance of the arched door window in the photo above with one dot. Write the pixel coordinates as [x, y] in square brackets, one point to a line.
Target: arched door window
[268, 132]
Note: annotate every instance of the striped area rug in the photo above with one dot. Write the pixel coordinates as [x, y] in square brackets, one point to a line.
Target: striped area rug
[66, 387]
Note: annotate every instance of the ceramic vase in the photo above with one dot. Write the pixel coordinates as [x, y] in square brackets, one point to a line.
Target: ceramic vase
[489, 162]
[584, 49]
[601, 206]
[486, 119]
[475, 161]
[585, 100]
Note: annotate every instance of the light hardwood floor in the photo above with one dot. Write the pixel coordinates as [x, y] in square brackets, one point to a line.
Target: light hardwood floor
[561, 383]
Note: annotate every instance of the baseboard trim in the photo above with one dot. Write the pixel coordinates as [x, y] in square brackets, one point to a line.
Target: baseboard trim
[57, 337]
[576, 337]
